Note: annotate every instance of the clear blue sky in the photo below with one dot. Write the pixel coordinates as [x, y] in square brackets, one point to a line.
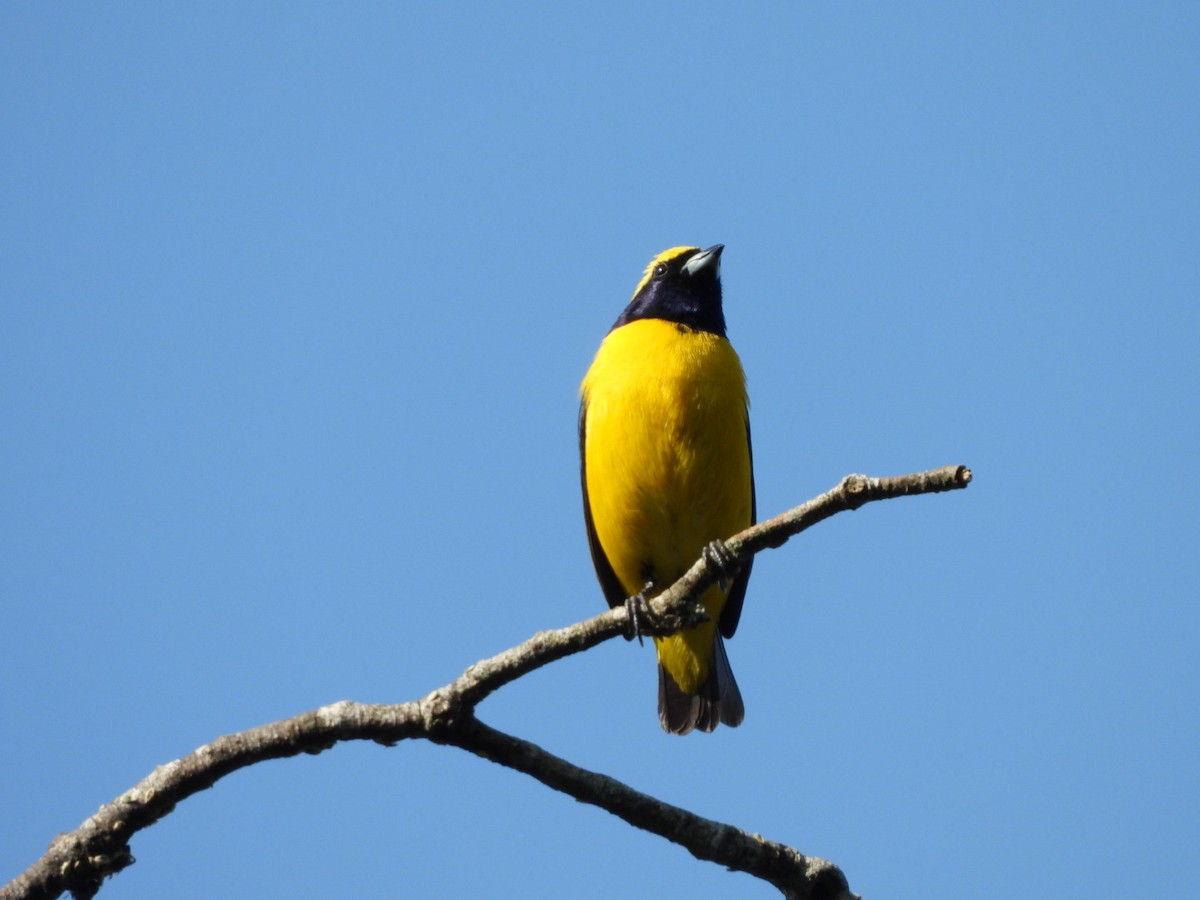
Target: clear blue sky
[294, 304]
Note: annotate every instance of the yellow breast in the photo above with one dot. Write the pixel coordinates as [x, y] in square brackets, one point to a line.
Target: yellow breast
[666, 449]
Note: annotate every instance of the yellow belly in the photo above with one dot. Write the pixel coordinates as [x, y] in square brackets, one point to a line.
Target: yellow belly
[667, 464]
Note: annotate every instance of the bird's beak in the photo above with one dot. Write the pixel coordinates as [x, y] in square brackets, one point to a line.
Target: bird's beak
[705, 259]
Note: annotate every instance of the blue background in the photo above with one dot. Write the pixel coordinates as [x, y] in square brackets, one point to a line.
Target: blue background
[295, 303]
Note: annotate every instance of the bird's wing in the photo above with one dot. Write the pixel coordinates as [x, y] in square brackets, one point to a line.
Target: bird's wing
[728, 622]
[609, 583]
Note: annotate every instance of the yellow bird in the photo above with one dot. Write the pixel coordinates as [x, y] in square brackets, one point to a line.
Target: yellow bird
[666, 466]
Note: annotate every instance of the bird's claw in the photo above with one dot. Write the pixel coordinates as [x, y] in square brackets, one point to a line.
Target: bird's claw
[638, 610]
[718, 555]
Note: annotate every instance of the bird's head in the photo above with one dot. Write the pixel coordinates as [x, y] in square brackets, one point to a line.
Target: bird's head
[681, 285]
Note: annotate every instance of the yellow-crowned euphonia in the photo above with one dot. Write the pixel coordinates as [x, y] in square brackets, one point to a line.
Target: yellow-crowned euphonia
[666, 466]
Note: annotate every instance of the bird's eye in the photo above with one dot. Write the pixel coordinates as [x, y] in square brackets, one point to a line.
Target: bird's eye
[660, 270]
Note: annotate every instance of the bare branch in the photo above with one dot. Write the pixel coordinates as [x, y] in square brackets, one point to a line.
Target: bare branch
[797, 876]
[80, 860]
[852, 492]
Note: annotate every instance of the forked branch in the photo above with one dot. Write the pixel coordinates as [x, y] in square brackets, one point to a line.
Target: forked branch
[80, 860]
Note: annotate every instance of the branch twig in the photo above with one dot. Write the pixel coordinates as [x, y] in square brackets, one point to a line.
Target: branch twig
[79, 861]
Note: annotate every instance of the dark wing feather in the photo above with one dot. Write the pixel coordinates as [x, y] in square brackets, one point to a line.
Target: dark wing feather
[728, 622]
[609, 583]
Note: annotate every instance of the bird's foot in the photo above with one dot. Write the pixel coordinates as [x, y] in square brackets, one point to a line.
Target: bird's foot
[718, 555]
[639, 611]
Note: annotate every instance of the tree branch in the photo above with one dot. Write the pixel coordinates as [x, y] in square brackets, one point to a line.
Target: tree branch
[79, 861]
[798, 877]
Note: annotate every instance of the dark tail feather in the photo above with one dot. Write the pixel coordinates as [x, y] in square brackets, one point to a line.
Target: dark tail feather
[718, 699]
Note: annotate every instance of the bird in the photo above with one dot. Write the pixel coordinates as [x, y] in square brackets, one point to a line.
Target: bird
[666, 467]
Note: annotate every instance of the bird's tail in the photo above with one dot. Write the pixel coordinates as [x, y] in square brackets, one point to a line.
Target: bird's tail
[717, 699]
